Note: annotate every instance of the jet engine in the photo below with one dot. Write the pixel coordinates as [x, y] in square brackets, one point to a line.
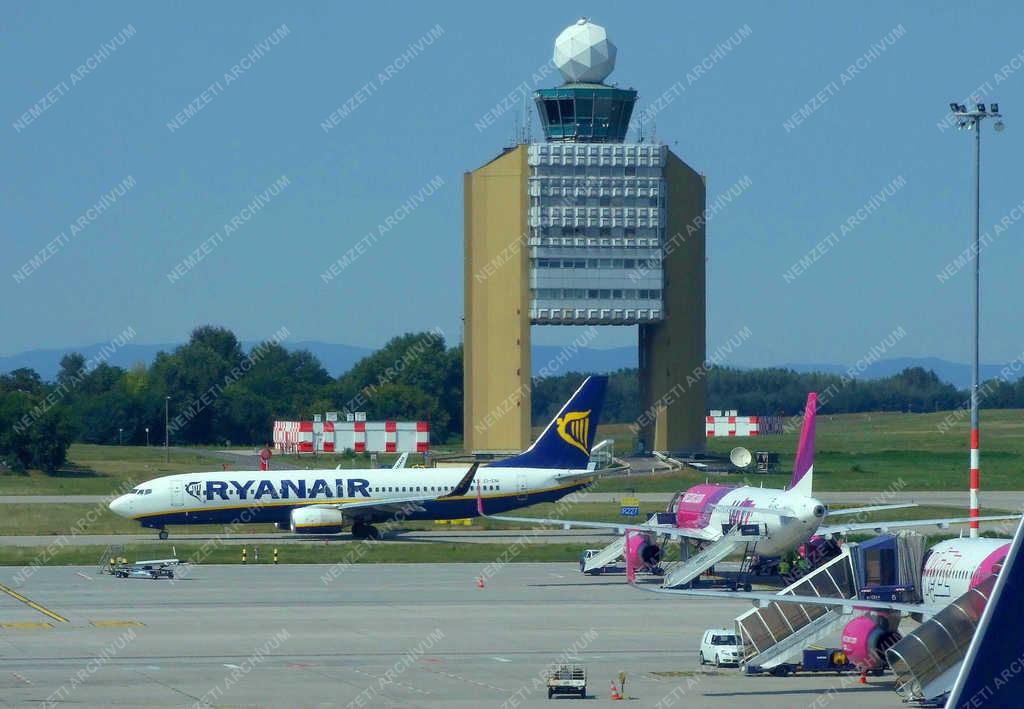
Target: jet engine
[643, 551]
[316, 520]
[867, 637]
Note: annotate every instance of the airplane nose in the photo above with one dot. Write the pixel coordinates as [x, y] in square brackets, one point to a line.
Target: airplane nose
[119, 506]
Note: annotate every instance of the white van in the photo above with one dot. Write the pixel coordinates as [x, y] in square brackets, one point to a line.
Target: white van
[720, 646]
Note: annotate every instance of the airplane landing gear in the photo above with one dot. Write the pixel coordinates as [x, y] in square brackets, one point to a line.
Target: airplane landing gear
[361, 530]
[163, 534]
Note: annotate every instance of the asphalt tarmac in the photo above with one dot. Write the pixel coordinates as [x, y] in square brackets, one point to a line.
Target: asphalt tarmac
[373, 635]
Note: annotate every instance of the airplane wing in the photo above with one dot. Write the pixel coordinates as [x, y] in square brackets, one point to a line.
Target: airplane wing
[882, 526]
[875, 508]
[574, 475]
[763, 598]
[398, 504]
[704, 535]
[571, 476]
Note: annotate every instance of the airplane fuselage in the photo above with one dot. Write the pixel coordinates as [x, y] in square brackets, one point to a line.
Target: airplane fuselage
[788, 518]
[953, 567]
[270, 496]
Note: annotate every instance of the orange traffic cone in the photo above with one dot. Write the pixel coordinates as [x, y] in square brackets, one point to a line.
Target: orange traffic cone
[479, 581]
[615, 692]
[863, 678]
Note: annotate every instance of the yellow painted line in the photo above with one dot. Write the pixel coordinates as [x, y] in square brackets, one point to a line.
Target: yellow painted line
[32, 604]
[117, 623]
[26, 625]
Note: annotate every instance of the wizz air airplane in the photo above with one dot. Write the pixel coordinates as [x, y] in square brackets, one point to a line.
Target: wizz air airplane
[325, 501]
[710, 514]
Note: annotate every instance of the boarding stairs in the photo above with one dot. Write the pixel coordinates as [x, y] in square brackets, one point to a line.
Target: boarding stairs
[741, 536]
[111, 556]
[607, 556]
[616, 549]
[778, 632]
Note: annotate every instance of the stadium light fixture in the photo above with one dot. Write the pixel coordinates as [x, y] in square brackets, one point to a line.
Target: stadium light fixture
[969, 120]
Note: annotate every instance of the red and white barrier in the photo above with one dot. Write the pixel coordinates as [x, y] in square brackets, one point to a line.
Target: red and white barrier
[726, 426]
[358, 436]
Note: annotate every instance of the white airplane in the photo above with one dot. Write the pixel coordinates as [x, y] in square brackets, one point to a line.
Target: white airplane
[325, 501]
[785, 519]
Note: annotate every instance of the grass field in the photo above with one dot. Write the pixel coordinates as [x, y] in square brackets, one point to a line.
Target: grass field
[102, 470]
[870, 452]
[854, 452]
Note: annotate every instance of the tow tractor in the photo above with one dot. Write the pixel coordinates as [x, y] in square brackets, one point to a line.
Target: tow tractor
[567, 679]
[814, 660]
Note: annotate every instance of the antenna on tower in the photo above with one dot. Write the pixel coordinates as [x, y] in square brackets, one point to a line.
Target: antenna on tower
[527, 120]
[641, 126]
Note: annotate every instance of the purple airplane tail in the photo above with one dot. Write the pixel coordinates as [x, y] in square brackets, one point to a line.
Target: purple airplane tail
[803, 469]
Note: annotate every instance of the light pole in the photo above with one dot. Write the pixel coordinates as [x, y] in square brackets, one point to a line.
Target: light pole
[971, 120]
[167, 430]
[147, 436]
[120, 438]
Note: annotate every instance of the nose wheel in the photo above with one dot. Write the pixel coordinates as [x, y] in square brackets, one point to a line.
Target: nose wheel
[163, 534]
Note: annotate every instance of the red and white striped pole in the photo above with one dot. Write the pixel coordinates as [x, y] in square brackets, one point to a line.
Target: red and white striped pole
[975, 479]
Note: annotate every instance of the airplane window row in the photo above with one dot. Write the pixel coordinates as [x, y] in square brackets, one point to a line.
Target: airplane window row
[949, 573]
[424, 488]
[142, 492]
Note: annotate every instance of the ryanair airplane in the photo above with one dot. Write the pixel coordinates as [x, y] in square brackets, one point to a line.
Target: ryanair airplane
[325, 501]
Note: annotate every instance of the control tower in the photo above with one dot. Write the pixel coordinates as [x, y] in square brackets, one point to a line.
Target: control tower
[584, 229]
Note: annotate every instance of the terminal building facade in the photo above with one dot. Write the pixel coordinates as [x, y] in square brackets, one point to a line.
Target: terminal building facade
[584, 229]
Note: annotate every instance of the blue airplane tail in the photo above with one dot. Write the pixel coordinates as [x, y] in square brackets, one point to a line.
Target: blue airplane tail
[566, 441]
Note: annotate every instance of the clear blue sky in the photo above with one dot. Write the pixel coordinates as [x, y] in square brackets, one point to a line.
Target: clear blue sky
[111, 123]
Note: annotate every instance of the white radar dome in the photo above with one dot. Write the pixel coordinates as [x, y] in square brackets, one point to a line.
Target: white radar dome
[583, 53]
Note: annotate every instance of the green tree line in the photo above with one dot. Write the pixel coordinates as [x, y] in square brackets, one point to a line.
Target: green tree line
[217, 393]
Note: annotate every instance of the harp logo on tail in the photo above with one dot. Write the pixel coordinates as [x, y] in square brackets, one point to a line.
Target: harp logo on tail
[574, 429]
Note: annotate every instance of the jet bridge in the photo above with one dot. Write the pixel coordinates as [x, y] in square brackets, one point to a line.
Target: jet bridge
[884, 568]
[927, 660]
[778, 632]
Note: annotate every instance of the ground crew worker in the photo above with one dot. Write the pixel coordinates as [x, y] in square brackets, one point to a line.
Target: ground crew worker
[265, 454]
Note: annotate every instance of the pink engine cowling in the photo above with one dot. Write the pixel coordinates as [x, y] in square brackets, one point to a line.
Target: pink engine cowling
[643, 552]
[867, 637]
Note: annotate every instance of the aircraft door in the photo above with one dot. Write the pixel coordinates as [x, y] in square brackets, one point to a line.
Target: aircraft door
[522, 488]
[176, 496]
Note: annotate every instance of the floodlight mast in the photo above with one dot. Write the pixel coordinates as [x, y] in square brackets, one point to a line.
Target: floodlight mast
[971, 120]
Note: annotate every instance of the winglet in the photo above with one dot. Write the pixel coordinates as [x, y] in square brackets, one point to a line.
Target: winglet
[803, 469]
[463, 487]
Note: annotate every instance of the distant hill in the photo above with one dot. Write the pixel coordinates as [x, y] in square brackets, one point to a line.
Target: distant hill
[956, 373]
[338, 359]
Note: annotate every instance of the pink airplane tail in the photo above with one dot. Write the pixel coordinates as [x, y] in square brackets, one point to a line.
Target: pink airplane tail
[803, 469]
